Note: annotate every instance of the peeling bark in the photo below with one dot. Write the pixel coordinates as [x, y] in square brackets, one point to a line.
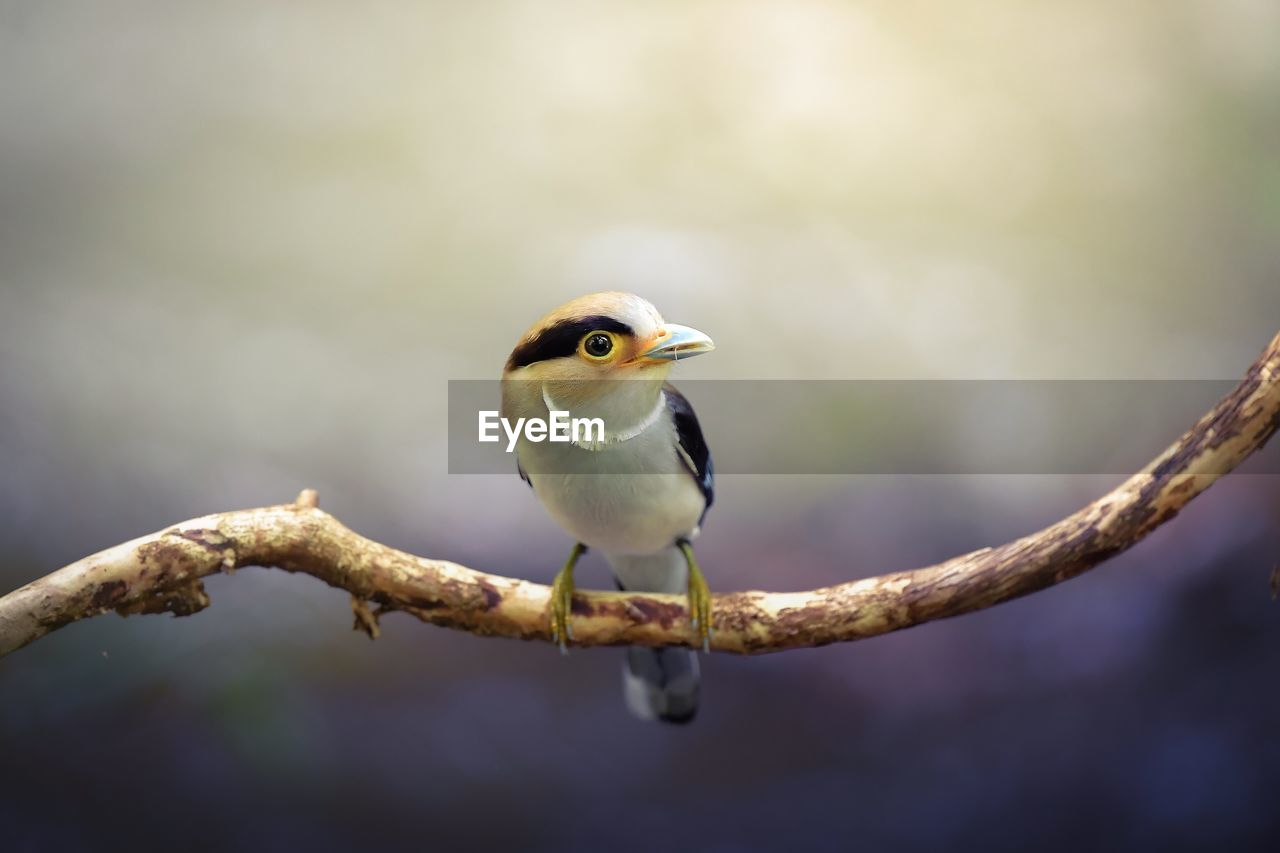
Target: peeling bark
[162, 572]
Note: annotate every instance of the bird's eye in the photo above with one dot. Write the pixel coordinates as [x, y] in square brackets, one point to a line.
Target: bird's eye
[597, 344]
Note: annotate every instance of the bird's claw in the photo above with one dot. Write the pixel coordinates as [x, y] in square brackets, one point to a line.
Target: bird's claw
[699, 601]
[561, 607]
[562, 602]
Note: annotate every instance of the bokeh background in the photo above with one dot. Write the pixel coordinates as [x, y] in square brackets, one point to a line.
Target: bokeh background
[244, 245]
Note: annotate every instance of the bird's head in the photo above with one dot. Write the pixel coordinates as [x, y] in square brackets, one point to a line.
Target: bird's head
[602, 336]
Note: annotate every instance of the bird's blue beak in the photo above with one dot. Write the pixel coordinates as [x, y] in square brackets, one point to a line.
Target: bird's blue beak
[673, 342]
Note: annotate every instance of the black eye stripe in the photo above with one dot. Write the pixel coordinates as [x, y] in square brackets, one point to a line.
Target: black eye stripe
[562, 339]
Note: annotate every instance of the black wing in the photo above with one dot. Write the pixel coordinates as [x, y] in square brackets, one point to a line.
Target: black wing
[693, 447]
[523, 475]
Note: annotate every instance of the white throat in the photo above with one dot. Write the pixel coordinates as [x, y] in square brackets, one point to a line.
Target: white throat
[611, 436]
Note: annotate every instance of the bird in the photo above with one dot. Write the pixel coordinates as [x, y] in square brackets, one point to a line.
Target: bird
[638, 493]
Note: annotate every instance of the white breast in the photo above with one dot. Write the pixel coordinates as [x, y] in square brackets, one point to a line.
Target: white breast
[633, 497]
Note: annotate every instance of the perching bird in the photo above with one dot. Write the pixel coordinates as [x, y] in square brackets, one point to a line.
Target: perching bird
[638, 494]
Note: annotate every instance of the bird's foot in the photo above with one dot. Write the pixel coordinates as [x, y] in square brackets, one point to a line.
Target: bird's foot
[562, 600]
[699, 599]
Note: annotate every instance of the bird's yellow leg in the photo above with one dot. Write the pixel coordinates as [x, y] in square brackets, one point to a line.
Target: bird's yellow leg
[699, 598]
[562, 600]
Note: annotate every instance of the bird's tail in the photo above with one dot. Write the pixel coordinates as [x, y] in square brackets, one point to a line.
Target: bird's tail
[658, 684]
[661, 684]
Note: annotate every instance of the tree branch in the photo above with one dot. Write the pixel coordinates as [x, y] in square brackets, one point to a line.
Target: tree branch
[163, 571]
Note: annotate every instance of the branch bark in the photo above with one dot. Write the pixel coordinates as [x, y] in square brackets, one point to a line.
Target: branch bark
[162, 572]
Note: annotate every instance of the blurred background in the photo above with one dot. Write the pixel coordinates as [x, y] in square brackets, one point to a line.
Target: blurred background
[243, 247]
